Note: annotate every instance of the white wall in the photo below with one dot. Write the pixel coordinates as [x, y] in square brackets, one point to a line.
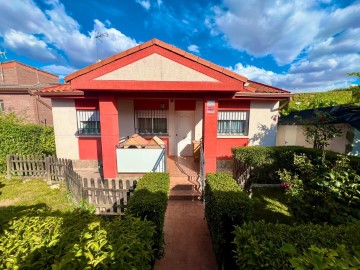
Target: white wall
[294, 135]
[65, 128]
[126, 117]
[171, 123]
[262, 122]
[198, 120]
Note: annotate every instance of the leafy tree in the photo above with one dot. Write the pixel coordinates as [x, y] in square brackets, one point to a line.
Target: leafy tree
[355, 89]
[319, 131]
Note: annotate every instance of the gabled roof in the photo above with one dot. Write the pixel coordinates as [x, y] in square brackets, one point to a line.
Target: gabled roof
[162, 45]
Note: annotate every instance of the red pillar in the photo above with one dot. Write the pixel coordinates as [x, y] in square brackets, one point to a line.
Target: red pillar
[109, 124]
[210, 118]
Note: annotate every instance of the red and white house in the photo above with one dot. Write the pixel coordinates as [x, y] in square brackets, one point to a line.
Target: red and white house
[158, 89]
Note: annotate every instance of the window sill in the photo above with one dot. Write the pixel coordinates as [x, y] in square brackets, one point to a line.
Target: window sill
[152, 135]
[232, 136]
[88, 135]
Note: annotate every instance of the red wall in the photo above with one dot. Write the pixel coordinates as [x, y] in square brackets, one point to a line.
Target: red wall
[150, 104]
[86, 104]
[185, 105]
[224, 145]
[90, 148]
[234, 105]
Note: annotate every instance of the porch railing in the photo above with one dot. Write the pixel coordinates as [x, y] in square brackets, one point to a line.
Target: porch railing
[202, 170]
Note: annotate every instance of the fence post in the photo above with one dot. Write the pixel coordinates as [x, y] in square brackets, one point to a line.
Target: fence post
[48, 171]
[8, 164]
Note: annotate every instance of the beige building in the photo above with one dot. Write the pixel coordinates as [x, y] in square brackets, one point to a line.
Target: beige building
[17, 84]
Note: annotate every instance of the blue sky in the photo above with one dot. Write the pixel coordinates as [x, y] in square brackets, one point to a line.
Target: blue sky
[301, 46]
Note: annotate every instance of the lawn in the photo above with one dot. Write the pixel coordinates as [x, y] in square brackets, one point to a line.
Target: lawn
[270, 205]
[18, 196]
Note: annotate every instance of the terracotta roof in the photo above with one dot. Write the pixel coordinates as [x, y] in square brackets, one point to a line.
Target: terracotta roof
[263, 88]
[160, 44]
[62, 89]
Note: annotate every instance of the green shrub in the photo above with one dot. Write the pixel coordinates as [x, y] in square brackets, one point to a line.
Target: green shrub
[323, 192]
[266, 246]
[266, 161]
[76, 240]
[149, 202]
[317, 100]
[19, 138]
[226, 205]
[324, 258]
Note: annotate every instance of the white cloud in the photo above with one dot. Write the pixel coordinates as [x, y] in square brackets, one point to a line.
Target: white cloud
[193, 48]
[59, 70]
[28, 45]
[56, 29]
[280, 28]
[145, 3]
[159, 2]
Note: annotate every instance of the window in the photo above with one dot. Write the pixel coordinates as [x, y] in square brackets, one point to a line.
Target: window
[151, 121]
[233, 123]
[88, 122]
[1, 105]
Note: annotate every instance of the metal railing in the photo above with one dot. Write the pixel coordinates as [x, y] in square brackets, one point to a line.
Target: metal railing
[202, 168]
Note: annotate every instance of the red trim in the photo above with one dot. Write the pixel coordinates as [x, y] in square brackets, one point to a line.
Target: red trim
[185, 105]
[90, 148]
[86, 104]
[87, 82]
[234, 105]
[145, 104]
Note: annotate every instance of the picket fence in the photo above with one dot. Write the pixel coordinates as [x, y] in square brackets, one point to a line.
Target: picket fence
[109, 196]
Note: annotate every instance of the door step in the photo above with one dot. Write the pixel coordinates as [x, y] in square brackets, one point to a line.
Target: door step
[185, 195]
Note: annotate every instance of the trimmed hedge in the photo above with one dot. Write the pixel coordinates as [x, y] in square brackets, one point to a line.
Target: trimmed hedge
[46, 239]
[266, 161]
[28, 139]
[226, 205]
[149, 202]
[268, 246]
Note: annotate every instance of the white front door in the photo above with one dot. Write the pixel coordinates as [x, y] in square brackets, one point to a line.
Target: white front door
[184, 132]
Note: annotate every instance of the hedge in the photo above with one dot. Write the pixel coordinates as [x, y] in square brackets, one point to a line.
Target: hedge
[226, 205]
[76, 240]
[270, 246]
[149, 202]
[18, 138]
[266, 161]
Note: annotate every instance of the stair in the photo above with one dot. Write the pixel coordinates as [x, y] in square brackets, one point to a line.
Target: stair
[181, 188]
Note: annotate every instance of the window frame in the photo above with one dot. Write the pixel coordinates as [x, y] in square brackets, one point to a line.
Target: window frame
[151, 114]
[82, 116]
[234, 112]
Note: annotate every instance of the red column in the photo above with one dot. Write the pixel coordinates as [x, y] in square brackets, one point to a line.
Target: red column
[109, 124]
[210, 118]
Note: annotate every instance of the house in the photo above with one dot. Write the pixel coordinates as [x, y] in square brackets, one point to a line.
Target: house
[17, 84]
[345, 117]
[158, 89]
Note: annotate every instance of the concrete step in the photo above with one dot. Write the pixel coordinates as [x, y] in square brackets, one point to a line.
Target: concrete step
[182, 187]
[185, 195]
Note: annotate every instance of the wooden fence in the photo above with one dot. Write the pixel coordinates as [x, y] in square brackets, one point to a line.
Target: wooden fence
[109, 197]
[241, 173]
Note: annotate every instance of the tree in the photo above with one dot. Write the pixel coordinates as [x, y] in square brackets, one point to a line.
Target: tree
[355, 89]
[320, 130]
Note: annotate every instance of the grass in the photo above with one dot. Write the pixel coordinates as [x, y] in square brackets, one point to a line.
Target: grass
[270, 205]
[17, 196]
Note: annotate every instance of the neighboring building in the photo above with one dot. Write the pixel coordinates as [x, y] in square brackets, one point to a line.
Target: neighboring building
[17, 84]
[345, 117]
[158, 89]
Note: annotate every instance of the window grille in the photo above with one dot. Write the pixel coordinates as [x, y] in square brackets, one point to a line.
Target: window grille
[151, 121]
[233, 122]
[1, 105]
[88, 122]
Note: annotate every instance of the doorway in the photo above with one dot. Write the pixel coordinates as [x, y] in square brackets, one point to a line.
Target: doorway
[184, 133]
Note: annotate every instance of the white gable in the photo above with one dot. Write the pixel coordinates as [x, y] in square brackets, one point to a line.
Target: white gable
[156, 68]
